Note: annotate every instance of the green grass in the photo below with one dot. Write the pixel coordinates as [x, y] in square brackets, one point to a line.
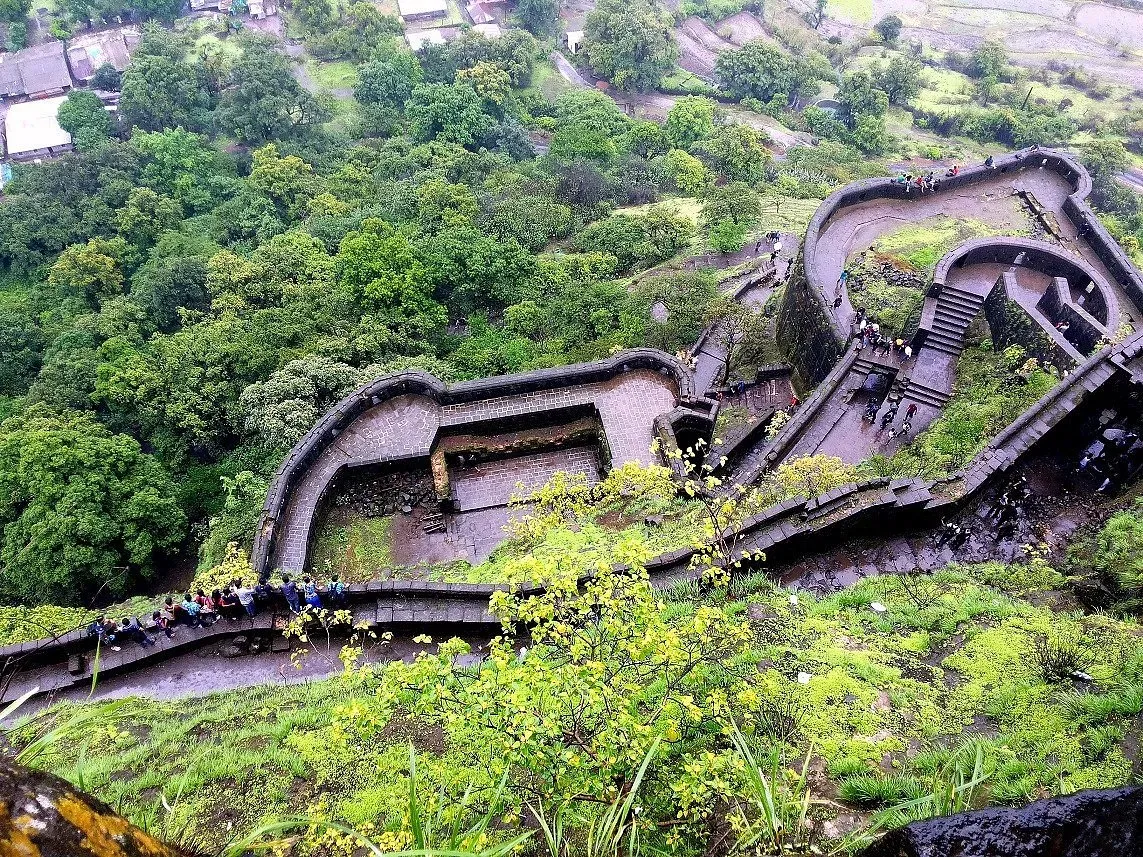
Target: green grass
[922, 244]
[332, 76]
[881, 692]
[786, 213]
[851, 11]
[682, 206]
[548, 82]
[357, 551]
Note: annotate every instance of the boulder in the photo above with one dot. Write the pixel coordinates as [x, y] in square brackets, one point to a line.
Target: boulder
[44, 816]
[231, 651]
[1107, 823]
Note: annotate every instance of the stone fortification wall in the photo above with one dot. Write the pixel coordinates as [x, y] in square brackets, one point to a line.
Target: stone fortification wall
[370, 395]
[807, 320]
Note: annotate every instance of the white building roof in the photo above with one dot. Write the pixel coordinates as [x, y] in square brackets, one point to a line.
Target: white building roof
[418, 8]
[417, 39]
[489, 31]
[32, 125]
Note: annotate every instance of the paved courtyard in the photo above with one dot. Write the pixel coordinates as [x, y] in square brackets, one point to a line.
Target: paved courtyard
[407, 426]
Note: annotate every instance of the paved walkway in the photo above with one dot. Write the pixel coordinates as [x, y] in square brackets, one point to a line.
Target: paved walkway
[837, 427]
[407, 426]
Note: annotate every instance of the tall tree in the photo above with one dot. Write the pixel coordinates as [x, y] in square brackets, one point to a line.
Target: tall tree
[450, 113]
[82, 510]
[389, 77]
[539, 16]
[690, 120]
[900, 80]
[162, 89]
[629, 44]
[261, 99]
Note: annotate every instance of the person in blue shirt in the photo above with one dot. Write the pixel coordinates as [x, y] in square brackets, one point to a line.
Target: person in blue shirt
[337, 593]
[309, 589]
[290, 593]
[191, 608]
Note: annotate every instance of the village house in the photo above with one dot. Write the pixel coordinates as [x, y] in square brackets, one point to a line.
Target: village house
[419, 10]
[31, 130]
[35, 72]
[86, 53]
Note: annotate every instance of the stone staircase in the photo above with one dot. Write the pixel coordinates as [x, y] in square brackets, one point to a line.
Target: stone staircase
[924, 395]
[955, 310]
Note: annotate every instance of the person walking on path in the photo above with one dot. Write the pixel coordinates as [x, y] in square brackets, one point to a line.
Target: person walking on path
[911, 411]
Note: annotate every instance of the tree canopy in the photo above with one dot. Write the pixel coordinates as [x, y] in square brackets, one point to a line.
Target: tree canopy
[82, 510]
[628, 43]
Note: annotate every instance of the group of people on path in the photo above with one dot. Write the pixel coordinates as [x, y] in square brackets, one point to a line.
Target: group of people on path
[199, 610]
[868, 334]
[890, 416]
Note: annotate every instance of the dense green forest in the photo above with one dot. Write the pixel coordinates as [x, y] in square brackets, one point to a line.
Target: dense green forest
[267, 222]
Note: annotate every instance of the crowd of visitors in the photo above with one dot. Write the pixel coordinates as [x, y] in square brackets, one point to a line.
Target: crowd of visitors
[236, 601]
[868, 335]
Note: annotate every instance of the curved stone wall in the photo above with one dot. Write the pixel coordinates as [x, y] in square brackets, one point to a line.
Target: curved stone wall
[798, 524]
[522, 386]
[1075, 207]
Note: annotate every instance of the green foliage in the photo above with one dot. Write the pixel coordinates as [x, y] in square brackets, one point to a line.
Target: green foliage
[17, 35]
[990, 389]
[539, 17]
[900, 80]
[82, 510]
[639, 241]
[449, 114]
[889, 28]
[727, 236]
[84, 117]
[162, 89]
[1118, 556]
[260, 100]
[628, 43]
[989, 60]
[28, 624]
[736, 152]
[760, 70]
[389, 77]
[690, 120]
[686, 300]
[277, 412]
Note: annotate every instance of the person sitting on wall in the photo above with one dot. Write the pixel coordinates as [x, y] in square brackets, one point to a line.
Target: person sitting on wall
[103, 629]
[990, 163]
[130, 629]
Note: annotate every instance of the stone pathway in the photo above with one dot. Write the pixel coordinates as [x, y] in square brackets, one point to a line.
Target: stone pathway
[407, 426]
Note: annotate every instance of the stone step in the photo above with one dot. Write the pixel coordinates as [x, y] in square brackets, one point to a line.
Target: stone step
[945, 339]
[949, 328]
[962, 295]
[942, 344]
[956, 312]
[925, 395]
